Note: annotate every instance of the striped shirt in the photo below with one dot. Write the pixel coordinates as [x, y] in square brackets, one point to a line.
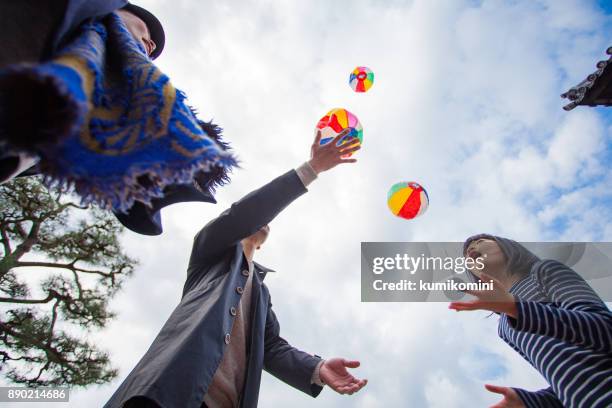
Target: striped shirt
[565, 331]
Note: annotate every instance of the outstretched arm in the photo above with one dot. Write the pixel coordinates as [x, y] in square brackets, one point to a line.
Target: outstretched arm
[520, 398]
[286, 362]
[545, 398]
[246, 216]
[261, 206]
[303, 371]
[574, 313]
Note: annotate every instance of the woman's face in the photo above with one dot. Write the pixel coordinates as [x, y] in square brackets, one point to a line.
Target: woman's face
[490, 253]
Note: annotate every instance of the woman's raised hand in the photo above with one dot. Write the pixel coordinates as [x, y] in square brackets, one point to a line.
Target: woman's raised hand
[511, 398]
[498, 299]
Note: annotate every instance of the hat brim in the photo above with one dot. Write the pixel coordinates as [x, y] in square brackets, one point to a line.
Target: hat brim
[154, 26]
[147, 220]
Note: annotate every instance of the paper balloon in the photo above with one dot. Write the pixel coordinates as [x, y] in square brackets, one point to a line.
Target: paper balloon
[407, 200]
[334, 122]
[361, 79]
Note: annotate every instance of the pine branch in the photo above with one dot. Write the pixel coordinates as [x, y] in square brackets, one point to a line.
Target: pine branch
[73, 205]
[36, 220]
[50, 297]
[27, 244]
[77, 282]
[53, 320]
[50, 351]
[69, 266]
[5, 241]
[41, 371]
[6, 357]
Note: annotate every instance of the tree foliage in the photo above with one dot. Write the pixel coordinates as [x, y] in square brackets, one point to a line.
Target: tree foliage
[61, 264]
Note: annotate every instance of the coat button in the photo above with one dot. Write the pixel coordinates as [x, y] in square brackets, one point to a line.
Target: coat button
[239, 290]
[233, 311]
[245, 272]
[227, 338]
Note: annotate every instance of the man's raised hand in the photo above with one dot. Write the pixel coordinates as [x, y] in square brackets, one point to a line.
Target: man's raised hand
[329, 155]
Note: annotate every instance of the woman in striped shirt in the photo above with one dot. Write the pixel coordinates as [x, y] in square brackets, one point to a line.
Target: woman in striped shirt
[551, 317]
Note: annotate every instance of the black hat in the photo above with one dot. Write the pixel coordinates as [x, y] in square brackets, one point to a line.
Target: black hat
[15, 164]
[155, 27]
[147, 220]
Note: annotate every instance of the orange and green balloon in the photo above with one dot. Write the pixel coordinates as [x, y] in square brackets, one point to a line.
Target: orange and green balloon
[407, 200]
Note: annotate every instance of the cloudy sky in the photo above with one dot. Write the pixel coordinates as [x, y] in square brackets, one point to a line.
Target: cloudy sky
[466, 102]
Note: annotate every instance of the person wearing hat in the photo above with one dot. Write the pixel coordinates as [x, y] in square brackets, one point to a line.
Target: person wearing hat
[33, 32]
[212, 349]
[145, 28]
[552, 317]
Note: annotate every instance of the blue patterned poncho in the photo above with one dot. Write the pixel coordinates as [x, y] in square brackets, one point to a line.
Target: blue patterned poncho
[105, 120]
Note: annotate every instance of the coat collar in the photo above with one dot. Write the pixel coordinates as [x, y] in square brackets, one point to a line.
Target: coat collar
[262, 270]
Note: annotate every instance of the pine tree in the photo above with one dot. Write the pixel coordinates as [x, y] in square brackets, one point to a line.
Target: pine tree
[61, 264]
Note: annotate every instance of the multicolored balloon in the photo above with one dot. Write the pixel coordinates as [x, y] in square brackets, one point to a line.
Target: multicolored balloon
[334, 122]
[407, 200]
[361, 79]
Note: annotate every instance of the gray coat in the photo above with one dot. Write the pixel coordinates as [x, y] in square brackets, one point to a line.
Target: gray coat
[180, 364]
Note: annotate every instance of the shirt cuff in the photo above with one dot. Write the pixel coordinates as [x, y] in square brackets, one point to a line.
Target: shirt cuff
[316, 375]
[306, 174]
[524, 397]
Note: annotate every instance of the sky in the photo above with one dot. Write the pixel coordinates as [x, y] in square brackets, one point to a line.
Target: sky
[466, 102]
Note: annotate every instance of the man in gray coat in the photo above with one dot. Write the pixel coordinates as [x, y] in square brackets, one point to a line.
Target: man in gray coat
[213, 348]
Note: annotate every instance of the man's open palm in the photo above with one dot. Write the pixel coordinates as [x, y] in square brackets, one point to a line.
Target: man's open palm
[335, 374]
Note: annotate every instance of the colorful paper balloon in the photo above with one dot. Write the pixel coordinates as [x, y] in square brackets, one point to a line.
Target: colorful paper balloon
[334, 122]
[407, 200]
[361, 79]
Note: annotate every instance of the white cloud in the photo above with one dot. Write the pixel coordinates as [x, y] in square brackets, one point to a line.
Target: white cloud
[466, 101]
[441, 392]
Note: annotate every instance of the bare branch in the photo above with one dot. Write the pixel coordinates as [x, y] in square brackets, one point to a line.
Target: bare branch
[77, 282]
[27, 244]
[5, 241]
[73, 205]
[53, 320]
[43, 265]
[49, 297]
[20, 230]
[69, 266]
[42, 370]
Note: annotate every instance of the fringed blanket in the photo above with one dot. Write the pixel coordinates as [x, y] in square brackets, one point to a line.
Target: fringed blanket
[105, 120]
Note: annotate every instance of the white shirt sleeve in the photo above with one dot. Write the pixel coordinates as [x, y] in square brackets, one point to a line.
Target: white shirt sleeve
[316, 375]
[306, 173]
